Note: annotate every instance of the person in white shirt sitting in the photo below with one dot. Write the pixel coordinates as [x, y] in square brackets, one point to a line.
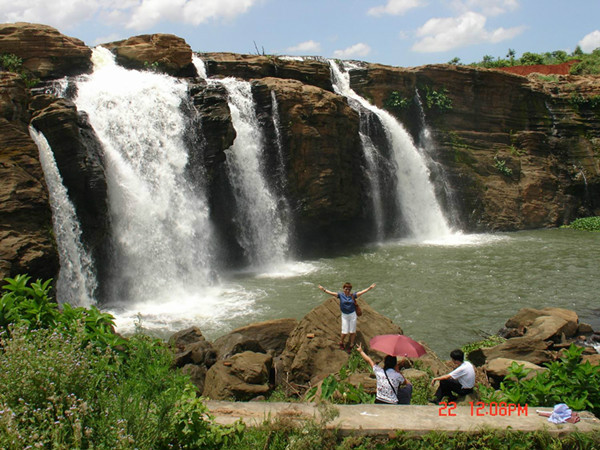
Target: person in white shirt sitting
[460, 381]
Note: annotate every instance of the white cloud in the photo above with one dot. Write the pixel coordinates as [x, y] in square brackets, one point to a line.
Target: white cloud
[439, 35]
[590, 42]
[58, 13]
[195, 12]
[305, 48]
[136, 14]
[395, 7]
[486, 7]
[359, 49]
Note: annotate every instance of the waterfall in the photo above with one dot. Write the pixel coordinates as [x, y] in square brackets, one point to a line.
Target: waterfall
[263, 233]
[160, 221]
[415, 194]
[260, 215]
[76, 282]
[427, 147]
[371, 155]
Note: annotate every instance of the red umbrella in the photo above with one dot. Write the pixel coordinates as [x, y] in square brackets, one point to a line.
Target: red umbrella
[397, 345]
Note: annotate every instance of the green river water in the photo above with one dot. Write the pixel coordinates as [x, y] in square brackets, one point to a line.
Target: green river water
[446, 294]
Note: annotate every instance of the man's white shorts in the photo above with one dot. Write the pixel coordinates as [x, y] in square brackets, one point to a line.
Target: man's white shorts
[348, 323]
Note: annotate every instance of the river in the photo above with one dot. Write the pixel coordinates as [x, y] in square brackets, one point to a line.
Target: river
[446, 293]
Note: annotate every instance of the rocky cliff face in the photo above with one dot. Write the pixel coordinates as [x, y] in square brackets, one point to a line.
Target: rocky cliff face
[512, 152]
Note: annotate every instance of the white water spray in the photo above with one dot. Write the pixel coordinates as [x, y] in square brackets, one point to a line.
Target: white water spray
[160, 222]
[263, 230]
[415, 195]
[76, 282]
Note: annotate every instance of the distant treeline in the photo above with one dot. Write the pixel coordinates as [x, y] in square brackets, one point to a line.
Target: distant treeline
[589, 63]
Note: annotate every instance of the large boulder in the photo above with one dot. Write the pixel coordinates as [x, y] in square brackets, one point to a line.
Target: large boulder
[165, 52]
[192, 348]
[537, 322]
[264, 337]
[26, 239]
[312, 350]
[497, 368]
[241, 377]
[45, 52]
[523, 348]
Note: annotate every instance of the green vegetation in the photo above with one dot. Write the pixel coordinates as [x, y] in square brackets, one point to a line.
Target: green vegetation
[10, 62]
[489, 341]
[589, 63]
[284, 434]
[66, 385]
[567, 380]
[437, 99]
[586, 224]
[396, 101]
[501, 166]
[579, 101]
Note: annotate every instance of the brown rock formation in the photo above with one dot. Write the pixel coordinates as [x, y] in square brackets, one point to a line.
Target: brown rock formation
[165, 52]
[242, 377]
[312, 351]
[26, 238]
[263, 337]
[45, 52]
[511, 147]
[313, 71]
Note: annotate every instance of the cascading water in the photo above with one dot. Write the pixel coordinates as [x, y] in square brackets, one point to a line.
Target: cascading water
[263, 231]
[427, 147]
[414, 192]
[160, 221]
[371, 155]
[76, 282]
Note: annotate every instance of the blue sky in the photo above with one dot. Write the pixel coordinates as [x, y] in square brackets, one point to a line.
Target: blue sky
[394, 32]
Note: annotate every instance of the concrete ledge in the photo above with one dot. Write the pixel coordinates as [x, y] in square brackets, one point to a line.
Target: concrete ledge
[381, 420]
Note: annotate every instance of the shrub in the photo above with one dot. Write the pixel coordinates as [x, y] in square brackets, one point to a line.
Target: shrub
[490, 341]
[396, 101]
[586, 224]
[501, 166]
[437, 99]
[566, 381]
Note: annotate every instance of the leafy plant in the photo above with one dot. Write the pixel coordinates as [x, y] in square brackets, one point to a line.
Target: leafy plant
[501, 166]
[396, 101]
[490, 341]
[566, 381]
[12, 63]
[437, 99]
[586, 224]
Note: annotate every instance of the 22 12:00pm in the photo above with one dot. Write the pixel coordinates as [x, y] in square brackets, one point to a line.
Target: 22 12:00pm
[482, 409]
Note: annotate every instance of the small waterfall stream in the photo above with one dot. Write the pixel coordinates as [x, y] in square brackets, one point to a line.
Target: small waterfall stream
[76, 282]
[414, 192]
[263, 230]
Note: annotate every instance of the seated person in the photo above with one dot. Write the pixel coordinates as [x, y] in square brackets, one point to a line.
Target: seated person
[460, 381]
[392, 387]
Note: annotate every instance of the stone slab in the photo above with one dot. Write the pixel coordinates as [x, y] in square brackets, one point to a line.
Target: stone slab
[381, 420]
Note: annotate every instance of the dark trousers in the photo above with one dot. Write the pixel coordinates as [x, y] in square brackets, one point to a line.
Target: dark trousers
[404, 396]
[452, 389]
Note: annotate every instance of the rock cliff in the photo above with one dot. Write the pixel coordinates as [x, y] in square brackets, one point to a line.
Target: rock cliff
[510, 152]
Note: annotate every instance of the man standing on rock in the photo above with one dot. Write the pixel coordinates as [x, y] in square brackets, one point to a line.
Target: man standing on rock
[348, 307]
[460, 381]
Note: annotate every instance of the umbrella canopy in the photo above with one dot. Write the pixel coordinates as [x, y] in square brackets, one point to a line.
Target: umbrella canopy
[397, 345]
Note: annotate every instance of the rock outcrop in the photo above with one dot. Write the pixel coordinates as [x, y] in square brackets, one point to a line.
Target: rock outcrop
[46, 53]
[26, 239]
[162, 52]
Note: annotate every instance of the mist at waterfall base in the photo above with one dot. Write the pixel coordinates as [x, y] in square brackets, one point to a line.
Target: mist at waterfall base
[441, 287]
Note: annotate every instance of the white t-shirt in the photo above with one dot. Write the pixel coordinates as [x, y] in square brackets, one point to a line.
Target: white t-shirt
[465, 375]
[384, 390]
